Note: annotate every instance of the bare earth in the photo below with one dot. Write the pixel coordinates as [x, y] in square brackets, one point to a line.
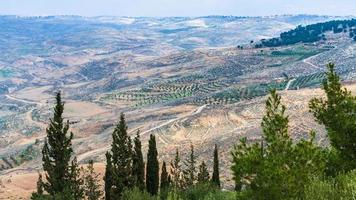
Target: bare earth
[202, 126]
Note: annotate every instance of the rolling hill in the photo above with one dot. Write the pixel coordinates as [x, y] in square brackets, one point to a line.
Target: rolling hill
[182, 79]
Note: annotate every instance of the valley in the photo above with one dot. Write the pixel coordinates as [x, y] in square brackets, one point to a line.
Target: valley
[186, 80]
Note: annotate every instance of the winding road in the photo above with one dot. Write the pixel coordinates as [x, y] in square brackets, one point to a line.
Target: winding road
[105, 148]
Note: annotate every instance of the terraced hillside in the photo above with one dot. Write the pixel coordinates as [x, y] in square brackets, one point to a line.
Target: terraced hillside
[183, 79]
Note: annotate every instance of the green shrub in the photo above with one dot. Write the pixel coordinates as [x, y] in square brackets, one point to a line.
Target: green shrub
[205, 192]
[341, 187]
[137, 194]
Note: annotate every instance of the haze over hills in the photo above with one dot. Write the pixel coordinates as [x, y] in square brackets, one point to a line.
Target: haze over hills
[188, 80]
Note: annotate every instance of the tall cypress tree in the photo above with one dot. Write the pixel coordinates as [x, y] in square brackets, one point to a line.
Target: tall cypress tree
[203, 174]
[108, 177]
[190, 169]
[164, 183]
[57, 151]
[138, 165]
[39, 192]
[152, 168]
[164, 177]
[216, 177]
[121, 159]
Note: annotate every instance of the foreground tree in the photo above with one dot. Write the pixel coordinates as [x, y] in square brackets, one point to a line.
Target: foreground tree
[121, 149]
[138, 165]
[40, 189]
[215, 179]
[108, 177]
[76, 181]
[338, 113]
[189, 173]
[57, 152]
[91, 183]
[276, 169]
[152, 168]
[176, 172]
[165, 182]
[203, 174]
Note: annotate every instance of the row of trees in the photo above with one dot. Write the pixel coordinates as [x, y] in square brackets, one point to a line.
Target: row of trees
[277, 168]
[125, 166]
[311, 33]
[274, 168]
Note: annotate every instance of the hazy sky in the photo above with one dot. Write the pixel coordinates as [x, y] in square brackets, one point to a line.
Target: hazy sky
[177, 7]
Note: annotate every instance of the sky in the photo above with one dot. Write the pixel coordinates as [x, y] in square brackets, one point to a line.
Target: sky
[161, 8]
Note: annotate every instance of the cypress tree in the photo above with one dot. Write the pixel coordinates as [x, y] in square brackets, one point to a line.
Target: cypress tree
[203, 174]
[176, 172]
[164, 177]
[57, 151]
[91, 182]
[108, 177]
[190, 170]
[40, 184]
[121, 159]
[164, 187]
[76, 181]
[138, 165]
[216, 177]
[152, 168]
[39, 192]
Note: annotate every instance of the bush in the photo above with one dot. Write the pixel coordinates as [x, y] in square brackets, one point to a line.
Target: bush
[137, 194]
[205, 192]
[340, 187]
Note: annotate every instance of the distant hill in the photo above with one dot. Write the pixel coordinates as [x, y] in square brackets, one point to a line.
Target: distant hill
[311, 33]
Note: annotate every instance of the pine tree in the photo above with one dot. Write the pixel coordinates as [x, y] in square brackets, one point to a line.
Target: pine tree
[164, 183]
[121, 149]
[108, 177]
[275, 168]
[57, 151]
[176, 172]
[338, 113]
[275, 122]
[138, 166]
[203, 174]
[152, 168]
[215, 179]
[189, 173]
[76, 181]
[91, 183]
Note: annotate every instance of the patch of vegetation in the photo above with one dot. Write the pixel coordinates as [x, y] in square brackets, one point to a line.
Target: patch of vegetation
[307, 81]
[29, 153]
[310, 33]
[342, 186]
[237, 94]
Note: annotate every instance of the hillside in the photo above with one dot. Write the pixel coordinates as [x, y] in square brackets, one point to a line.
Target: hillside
[312, 33]
[202, 127]
[182, 79]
